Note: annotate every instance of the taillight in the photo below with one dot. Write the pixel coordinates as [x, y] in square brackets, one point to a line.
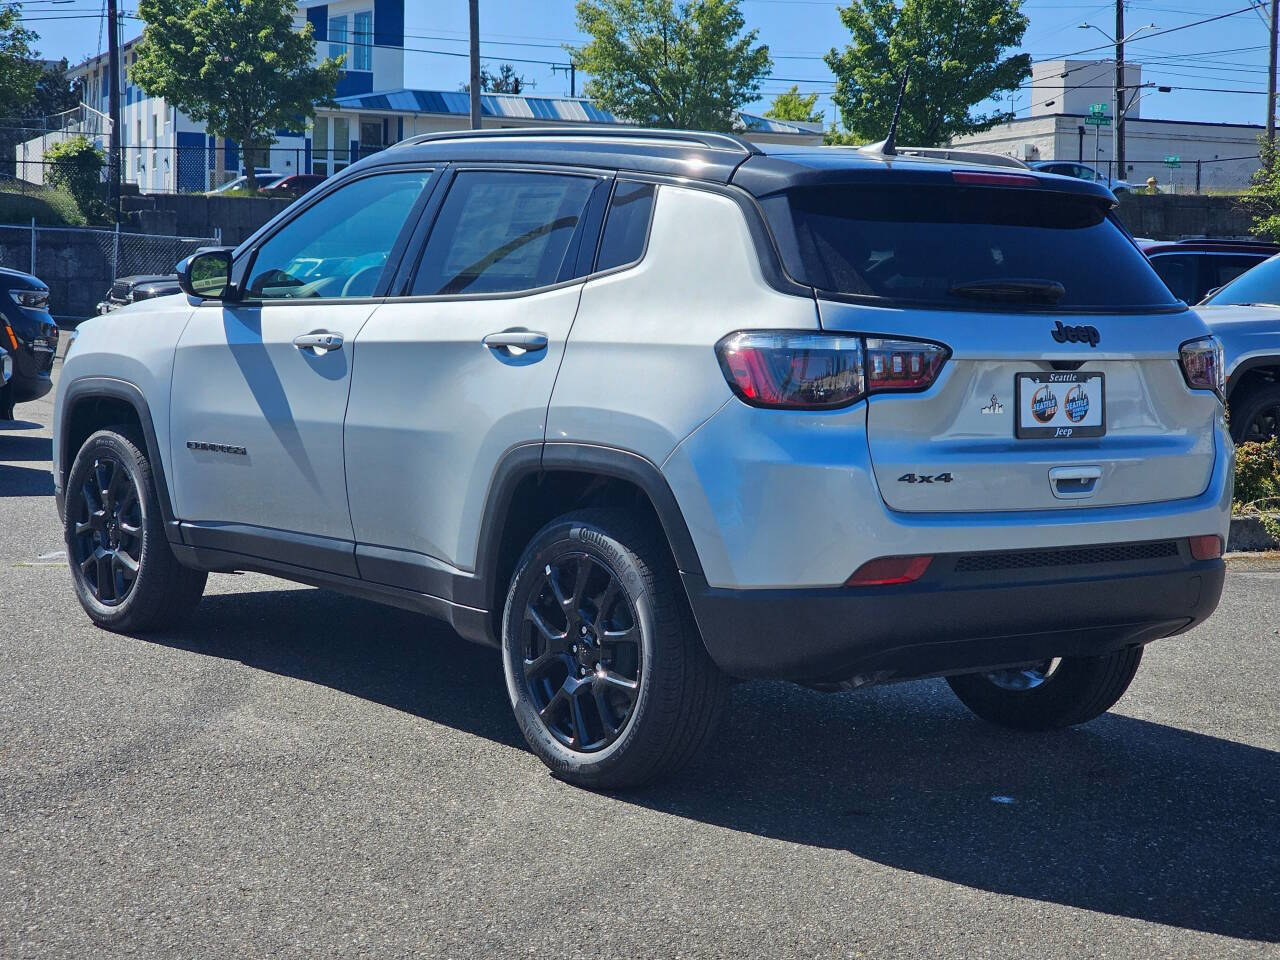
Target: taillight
[817, 371]
[902, 364]
[1203, 365]
[888, 570]
[1207, 547]
[984, 178]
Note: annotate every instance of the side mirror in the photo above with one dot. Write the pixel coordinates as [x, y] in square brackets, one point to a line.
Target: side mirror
[206, 274]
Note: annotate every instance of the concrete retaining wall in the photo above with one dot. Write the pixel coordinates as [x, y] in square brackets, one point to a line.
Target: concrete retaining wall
[194, 215]
[1170, 217]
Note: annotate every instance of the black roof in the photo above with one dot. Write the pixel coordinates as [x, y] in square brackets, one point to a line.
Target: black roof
[714, 157]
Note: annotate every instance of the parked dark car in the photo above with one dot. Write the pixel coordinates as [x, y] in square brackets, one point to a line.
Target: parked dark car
[1192, 268]
[30, 336]
[294, 185]
[143, 286]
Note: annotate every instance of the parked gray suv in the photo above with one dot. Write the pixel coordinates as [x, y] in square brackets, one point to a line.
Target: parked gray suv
[652, 410]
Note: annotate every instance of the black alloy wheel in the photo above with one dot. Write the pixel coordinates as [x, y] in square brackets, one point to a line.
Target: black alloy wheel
[582, 650]
[107, 543]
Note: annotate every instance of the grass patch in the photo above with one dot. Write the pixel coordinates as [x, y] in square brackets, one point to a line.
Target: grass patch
[20, 202]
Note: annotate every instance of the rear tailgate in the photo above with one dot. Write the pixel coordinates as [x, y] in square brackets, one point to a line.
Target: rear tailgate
[1063, 388]
[1158, 434]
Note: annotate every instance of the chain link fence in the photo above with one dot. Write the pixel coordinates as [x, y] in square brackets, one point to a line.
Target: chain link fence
[81, 263]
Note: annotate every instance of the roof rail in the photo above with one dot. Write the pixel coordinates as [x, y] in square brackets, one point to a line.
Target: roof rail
[712, 141]
[970, 156]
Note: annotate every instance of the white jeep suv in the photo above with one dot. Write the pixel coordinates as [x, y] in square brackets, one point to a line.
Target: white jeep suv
[651, 410]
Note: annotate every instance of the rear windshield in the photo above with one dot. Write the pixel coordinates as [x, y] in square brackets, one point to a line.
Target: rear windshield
[963, 247]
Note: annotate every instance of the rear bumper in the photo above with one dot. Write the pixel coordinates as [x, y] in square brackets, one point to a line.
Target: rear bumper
[959, 617]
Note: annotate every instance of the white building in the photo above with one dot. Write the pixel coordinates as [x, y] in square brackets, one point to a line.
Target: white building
[163, 150]
[1210, 156]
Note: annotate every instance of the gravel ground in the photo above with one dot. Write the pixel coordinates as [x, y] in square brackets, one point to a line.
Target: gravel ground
[300, 774]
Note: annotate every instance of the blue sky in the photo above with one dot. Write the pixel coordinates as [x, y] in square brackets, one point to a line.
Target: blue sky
[1228, 54]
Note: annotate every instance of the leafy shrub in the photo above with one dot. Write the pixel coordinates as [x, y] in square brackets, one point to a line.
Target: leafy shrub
[1257, 473]
[1258, 481]
[76, 165]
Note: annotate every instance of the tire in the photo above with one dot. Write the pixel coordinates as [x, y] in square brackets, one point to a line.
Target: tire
[631, 599]
[1076, 691]
[1256, 415]
[6, 402]
[112, 472]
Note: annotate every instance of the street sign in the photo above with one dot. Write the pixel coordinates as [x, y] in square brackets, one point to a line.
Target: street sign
[1097, 120]
[1173, 160]
[1098, 109]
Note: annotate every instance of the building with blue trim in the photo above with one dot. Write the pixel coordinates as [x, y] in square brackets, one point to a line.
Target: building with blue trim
[166, 151]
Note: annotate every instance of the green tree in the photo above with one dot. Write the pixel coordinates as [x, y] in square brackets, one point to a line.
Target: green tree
[958, 52]
[237, 66]
[505, 80]
[790, 105]
[18, 69]
[656, 63]
[1263, 196]
[76, 165]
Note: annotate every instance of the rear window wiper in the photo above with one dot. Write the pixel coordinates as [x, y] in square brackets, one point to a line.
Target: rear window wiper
[1010, 290]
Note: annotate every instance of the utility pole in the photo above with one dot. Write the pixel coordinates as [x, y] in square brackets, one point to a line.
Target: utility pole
[475, 64]
[1271, 77]
[1117, 128]
[571, 69]
[113, 107]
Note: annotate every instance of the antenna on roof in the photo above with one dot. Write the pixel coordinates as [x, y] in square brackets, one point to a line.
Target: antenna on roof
[886, 147]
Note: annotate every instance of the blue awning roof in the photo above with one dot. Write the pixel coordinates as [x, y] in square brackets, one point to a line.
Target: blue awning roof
[524, 107]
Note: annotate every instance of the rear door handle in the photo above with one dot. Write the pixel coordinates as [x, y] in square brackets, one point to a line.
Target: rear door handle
[319, 342]
[529, 340]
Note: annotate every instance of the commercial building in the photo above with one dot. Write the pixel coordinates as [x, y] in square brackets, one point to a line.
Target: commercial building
[1183, 156]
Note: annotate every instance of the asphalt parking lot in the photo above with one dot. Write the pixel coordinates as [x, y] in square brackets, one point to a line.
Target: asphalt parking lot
[301, 774]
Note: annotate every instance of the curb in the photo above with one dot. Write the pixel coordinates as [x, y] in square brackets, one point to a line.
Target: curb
[1247, 533]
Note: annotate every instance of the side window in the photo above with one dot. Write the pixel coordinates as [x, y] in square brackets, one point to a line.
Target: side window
[503, 232]
[627, 228]
[1178, 271]
[1224, 269]
[338, 246]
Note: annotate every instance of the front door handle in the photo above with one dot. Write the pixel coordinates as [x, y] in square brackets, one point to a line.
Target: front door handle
[318, 342]
[528, 340]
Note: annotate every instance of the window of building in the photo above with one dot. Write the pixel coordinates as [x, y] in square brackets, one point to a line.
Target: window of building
[370, 137]
[320, 156]
[502, 233]
[338, 37]
[337, 247]
[341, 143]
[362, 52]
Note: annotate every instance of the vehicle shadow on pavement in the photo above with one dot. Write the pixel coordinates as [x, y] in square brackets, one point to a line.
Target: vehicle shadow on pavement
[1121, 816]
[25, 448]
[24, 481]
[382, 654]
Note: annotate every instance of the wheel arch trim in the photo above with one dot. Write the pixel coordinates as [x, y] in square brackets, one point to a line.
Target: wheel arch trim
[95, 388]
[531, 459]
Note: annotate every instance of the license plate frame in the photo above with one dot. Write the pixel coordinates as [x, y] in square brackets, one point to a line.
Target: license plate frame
[1066, 421]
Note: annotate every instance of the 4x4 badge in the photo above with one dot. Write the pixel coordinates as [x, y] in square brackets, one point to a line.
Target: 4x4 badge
[995, 406]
